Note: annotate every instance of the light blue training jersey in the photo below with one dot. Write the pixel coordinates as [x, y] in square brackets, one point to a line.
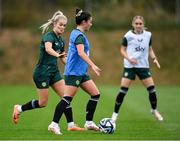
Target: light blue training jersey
[75, 65]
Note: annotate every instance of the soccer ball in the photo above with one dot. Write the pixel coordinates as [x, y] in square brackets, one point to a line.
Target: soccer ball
[106, 125]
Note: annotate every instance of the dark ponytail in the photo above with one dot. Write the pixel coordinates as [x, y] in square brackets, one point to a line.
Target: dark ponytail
[82, 16]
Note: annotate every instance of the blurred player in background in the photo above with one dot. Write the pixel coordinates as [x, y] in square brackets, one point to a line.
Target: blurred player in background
[136, 48]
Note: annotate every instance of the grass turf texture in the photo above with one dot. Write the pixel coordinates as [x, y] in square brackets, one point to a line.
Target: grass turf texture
[135, 121]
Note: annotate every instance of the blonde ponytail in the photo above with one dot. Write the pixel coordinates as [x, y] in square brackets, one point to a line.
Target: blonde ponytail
[57, 15]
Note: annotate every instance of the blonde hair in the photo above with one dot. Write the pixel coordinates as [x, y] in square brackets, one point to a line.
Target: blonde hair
[141, 18]
[57, 16]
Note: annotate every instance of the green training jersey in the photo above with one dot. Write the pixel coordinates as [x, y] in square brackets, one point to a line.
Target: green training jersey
[57, 45]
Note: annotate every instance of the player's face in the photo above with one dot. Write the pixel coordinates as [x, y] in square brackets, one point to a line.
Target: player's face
[138, 25]
[88, 24]
[59, 26]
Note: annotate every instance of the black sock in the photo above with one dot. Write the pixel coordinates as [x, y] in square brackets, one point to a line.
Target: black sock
[91, 107]
[68, 114]
[119, 99]
[33, 104]
[152, 97]
[61, 107]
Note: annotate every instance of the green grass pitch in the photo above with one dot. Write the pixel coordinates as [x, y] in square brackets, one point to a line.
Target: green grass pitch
[135, 120]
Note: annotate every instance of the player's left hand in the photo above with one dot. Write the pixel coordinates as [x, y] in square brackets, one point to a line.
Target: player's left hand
[62, 55]
[157, 63]
[96, 69]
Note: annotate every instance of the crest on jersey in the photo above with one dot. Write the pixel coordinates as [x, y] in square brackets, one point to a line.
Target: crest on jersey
[44, 84]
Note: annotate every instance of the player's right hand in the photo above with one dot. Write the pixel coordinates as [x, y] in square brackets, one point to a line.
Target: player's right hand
[133, 61]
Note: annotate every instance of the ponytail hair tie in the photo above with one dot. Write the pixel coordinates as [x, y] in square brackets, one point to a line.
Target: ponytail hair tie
[79, 13]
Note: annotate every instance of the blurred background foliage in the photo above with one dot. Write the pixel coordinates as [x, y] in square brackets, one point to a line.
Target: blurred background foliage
[20, 35]
[109, 14]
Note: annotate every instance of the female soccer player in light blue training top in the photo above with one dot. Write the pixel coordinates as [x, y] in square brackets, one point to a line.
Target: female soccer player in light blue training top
[46, 72]
[76, 74]
[136, 47]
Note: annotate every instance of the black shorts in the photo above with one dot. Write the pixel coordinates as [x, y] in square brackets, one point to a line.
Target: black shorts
[131, 73]
[76, 81]
[45, 76]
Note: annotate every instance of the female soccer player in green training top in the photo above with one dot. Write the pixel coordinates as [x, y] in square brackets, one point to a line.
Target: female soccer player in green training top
[76, 72]
[136, 48]
[46, 72]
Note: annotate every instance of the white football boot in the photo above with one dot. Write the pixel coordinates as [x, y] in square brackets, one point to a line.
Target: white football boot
[90, 125]
[54, 129]
[157, 115]
[16, 113]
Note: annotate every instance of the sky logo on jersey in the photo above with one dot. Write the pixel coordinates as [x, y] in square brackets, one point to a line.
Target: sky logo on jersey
[56, 44]
[141, 49]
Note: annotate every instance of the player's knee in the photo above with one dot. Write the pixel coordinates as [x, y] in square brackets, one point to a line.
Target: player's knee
[43, 103]
[95, 92]
[60, 95]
